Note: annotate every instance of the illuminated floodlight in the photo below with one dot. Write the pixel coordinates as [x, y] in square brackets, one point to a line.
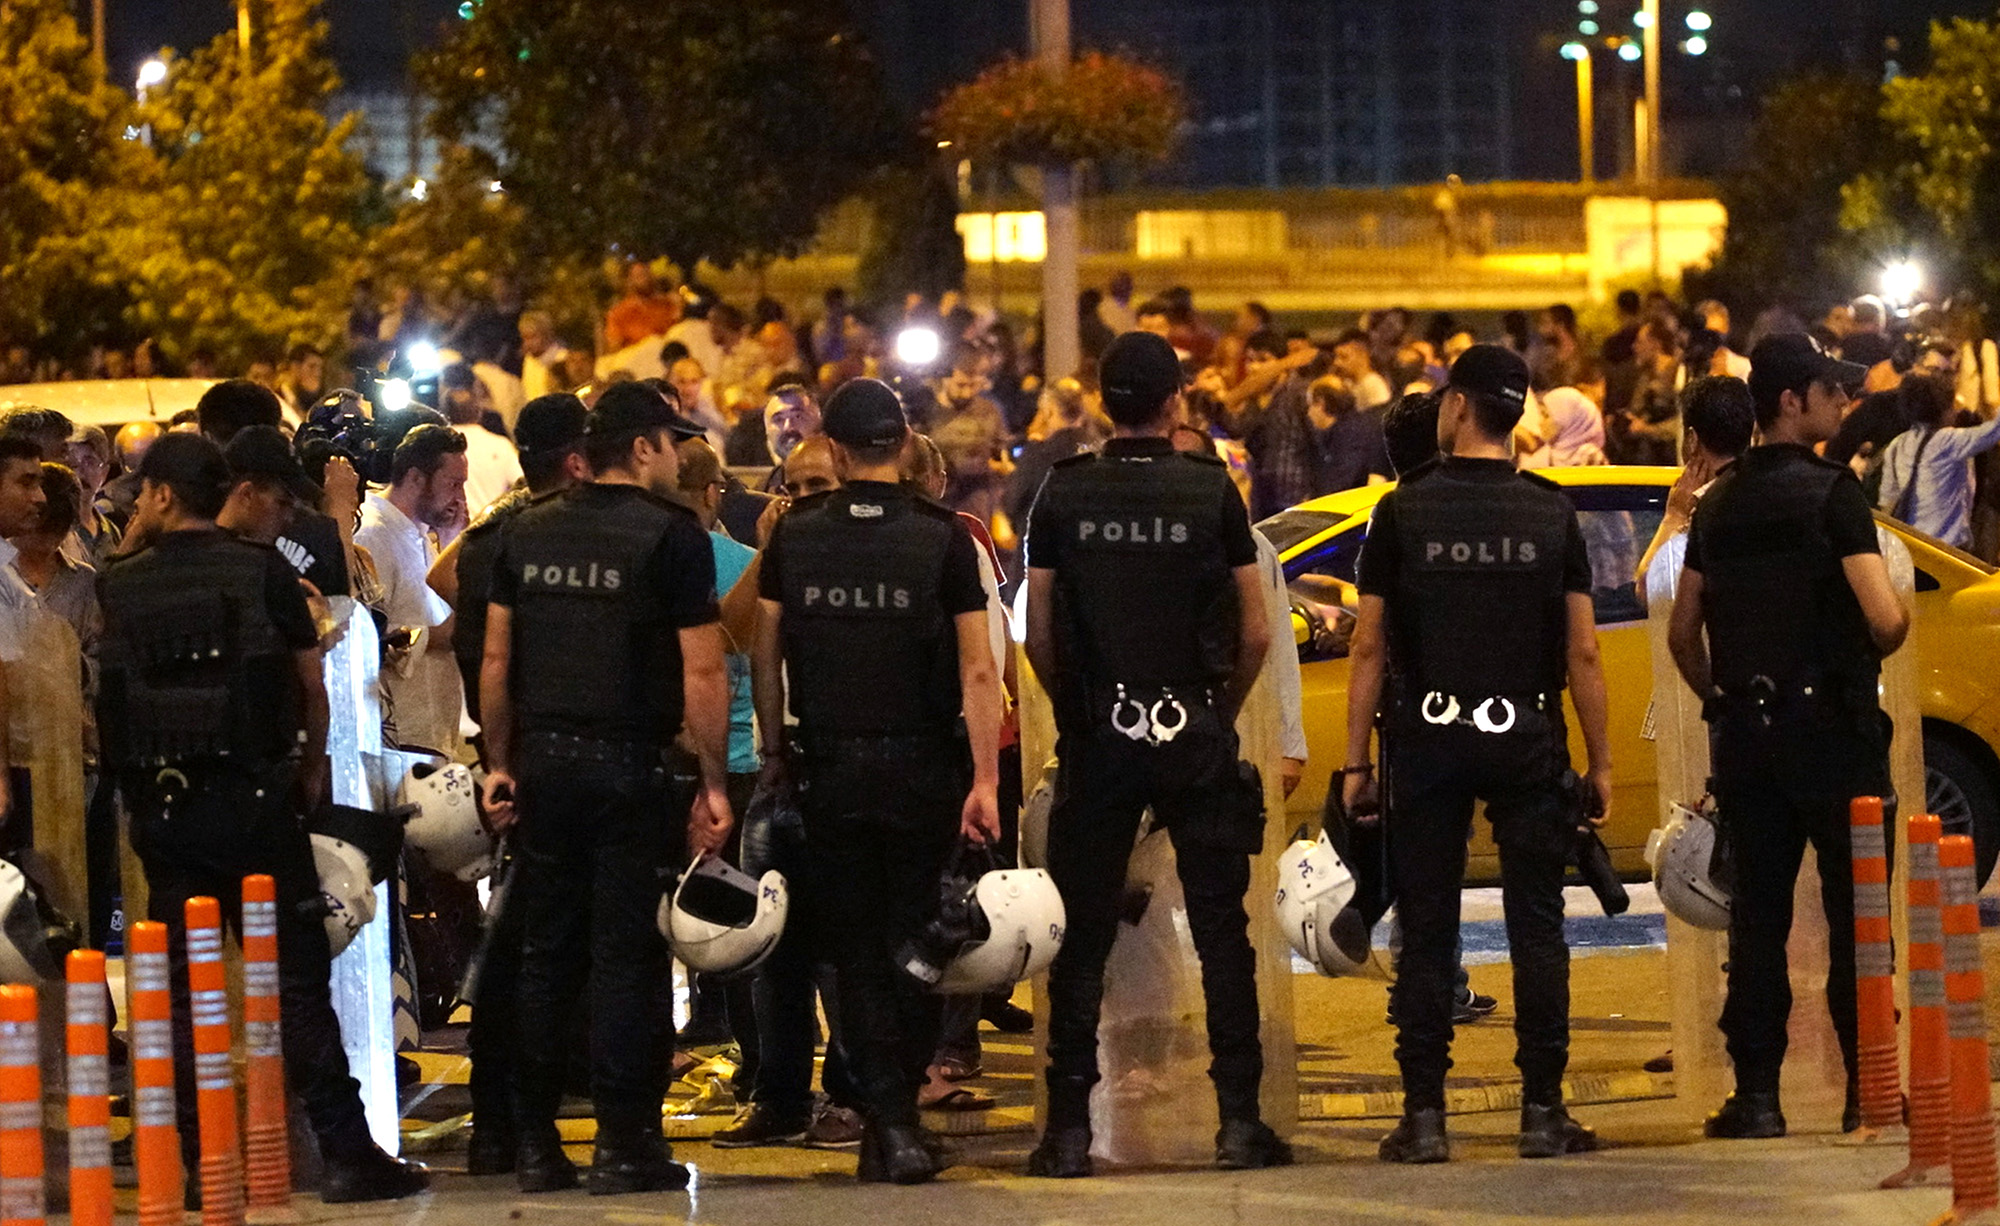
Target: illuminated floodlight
[1901, 282]
[918, 347]
[1699, 21]
[1587, 27]
[1695, 46]
[423, 358]
[1629, 52]
[1575, 51]
[152, 72]
[396, 395]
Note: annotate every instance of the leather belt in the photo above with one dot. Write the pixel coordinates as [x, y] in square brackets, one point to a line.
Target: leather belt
[561, 747]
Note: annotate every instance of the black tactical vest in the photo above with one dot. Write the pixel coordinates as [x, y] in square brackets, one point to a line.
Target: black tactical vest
[1775, 600]
[592, 655]
[1144, 597]
[478, 551]
[193, 669]
[869, 648]
[1480, 608]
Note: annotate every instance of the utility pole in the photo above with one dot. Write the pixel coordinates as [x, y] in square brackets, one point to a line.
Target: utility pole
[1048, 25]
[243, 33]
[97, 34]
[1650, 169]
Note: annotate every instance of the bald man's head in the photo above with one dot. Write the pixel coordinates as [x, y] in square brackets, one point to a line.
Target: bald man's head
[810, 469]
[133, 440]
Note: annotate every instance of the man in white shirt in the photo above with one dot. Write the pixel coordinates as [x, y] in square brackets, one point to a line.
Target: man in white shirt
[492, 463]
[426, 493]
[21, 503]
[541, 356]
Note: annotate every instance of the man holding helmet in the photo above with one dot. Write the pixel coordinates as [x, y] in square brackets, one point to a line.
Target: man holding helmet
[872, 612]
[601, 638]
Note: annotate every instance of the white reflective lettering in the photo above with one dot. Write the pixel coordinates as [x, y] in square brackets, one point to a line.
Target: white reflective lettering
[1084, 529]
[1114, 532]
[1527, 551]
[1461, 552]
[1180, 534]
[902, 598]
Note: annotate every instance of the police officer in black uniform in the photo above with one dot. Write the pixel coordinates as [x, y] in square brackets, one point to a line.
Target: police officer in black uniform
[1146, 622]
[1475, 610]
[213, 715]
[549, 434]
[1784, 575]
[872, 616]
[601, 638]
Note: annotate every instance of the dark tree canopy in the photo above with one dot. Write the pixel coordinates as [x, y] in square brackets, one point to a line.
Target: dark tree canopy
[683, 128]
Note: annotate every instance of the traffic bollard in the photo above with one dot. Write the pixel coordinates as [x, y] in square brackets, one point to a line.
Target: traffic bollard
[21, 1197]
[214, 1079]
[267, 1148]
[1874, 970]
[1975, 1174]
[86, 1030]
[1930, 1045]
[156, 1143]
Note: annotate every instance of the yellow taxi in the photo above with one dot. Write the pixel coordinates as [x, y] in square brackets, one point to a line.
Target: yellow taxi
[1955, 633]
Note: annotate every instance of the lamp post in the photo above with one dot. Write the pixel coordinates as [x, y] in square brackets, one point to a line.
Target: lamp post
[1061, 349]
[1650, 171]
[1586, 118]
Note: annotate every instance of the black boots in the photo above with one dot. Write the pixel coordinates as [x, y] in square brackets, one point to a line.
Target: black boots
[1748, 1115]
[640, 1163]
[1064, 1150]
[1249, 1145]
[1548, 1132]
[491, 1151]
[896, 1153]
[1418, 1139]
[541, 1166]
[370, 1175]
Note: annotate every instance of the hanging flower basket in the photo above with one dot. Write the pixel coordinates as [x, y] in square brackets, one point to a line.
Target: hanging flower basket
[1107, 107]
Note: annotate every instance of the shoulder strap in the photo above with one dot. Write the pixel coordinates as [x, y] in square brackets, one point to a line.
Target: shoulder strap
[1907, 502]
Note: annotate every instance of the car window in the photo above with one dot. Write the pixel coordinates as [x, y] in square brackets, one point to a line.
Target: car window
[1334, 557]
[1288, 528]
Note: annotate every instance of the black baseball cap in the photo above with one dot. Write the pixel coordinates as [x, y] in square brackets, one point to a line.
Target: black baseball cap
[261, 451]
[180, 459]
[1793, 361]
[555, 422]
[864, 413]
[1138, 371]
[638, 408]
[1492, 370]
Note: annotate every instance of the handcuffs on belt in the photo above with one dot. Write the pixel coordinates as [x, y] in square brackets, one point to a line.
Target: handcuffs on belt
[1443, 710]
[1146, 724]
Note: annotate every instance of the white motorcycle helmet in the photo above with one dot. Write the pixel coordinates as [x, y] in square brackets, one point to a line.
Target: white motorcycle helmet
[445, 829]
[34, 939]
[722, 921]
[1683, 856]
[344, 887]
[1025, 922]
[1314, 889]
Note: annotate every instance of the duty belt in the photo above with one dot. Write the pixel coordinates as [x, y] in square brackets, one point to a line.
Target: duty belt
[1492, 715]
[561, 747]
[828, 744]
[1762, 696]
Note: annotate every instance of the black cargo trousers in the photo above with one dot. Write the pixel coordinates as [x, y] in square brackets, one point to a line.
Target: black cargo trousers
[596, 841]
[1214, 814]
[882, 816]
[198, 831]
[1436, 774]
[1785, 773]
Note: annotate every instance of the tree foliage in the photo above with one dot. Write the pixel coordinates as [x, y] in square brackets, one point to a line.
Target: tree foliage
[1785, 240]
[253, 229]
[1105, 107]
[453, 242]
[913, 246]
[683, 128]
[66, 172]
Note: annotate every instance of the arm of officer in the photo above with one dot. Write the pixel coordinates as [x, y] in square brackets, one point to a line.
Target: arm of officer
[1684, 634]
[496, 716]
[1253, 639]
[1888, 619]
[1042, 626]
[1587, 691]
[767, 681]
[739, 605]
[1367, 658]
[313, 773]
[705, 678]
[979, 686]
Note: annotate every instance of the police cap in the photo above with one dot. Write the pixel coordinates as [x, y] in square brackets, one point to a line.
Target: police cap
[555, 422]
[1137, 373]
[261, 451]
[192, 466]
[1793, 361]
[864, 413]
[1492, 370]
[639, 410]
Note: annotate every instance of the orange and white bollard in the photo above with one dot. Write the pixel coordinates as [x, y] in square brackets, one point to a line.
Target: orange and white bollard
[1874, 971]
[156, 1143]
[214, 1073]
[267, 1148]
[87, 1031]
[1975, 1172]
[21, 1199]
[1930, 1044]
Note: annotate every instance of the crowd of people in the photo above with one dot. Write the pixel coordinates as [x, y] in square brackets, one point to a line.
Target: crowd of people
[812, 671]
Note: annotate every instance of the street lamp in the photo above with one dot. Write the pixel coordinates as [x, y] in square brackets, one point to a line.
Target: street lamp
[1699, 21]
[152, 72]
[1586, 135]
[1696, 45]
[1629, 52]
